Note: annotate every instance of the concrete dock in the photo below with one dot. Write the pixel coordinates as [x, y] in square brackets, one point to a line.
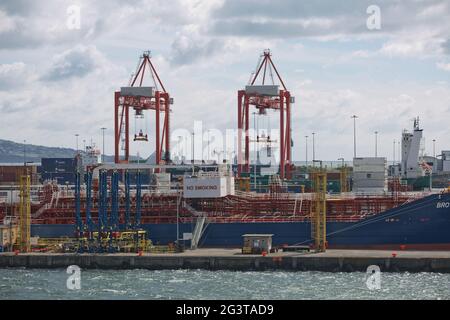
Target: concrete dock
[232, 259]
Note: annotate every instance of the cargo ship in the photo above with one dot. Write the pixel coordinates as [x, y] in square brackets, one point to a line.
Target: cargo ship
[211, 209]
[220, 216]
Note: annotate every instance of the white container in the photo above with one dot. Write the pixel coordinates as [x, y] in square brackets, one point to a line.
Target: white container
[446, 165]
[264, 90]
[230, 185]
[369, 164]
[205, 187]
[138, 91]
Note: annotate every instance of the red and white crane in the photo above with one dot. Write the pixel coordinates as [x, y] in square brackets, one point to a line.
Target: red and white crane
[140, 99]
[263, 97]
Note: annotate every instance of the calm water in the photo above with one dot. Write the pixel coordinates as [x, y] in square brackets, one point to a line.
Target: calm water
[200, 284]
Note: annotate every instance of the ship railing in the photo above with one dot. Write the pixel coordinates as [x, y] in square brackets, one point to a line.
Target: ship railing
[246, 219]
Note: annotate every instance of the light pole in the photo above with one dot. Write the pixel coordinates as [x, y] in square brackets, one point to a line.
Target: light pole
[354, 135]
[76, 138]
[342, 159]
[394, 153]
[376, 144]
[24, 153]
[434, 148]
[103, 135]
[193, 137]
[314, 150]
[306, 152]
[207, 159]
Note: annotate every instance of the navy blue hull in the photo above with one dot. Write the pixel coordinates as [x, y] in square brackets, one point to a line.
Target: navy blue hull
[422, 223]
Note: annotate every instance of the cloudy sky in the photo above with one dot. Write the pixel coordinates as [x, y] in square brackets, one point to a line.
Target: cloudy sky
[57, 80]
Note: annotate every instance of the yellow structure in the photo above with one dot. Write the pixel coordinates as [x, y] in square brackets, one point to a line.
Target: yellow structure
[344, 179]
[133, 241]
[243, 184]
[24, 214]
[318, 217]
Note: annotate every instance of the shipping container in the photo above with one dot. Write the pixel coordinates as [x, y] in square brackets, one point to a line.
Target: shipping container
[58, 164]
[10, 173]
[138, 91]
[265, 90]
[61, 178]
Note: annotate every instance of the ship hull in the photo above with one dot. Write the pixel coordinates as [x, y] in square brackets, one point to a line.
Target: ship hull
[423, 224]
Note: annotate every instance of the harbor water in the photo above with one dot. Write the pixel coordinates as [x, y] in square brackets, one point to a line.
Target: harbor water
[19, 283]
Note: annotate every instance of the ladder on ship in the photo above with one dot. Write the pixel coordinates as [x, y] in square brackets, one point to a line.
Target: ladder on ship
[318, 215]
[198, 231]
[200, 224]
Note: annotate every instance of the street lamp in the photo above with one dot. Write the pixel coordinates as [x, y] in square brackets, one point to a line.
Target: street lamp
[306, 151]
[354, 135]
[394, 152]
[314, 151]
[376, 144]
[103, 134]
[193, 158]
[24, 153]
[76, 138]
[207, 159]
[434, 148]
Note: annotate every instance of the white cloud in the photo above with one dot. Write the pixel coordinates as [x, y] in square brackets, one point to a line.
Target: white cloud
[6, 22]
[14, 75]
[75, 62]
[443, 66]
[410, 47]
[189, 46]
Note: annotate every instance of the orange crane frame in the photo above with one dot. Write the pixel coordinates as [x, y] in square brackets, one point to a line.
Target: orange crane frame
[282, 102]
[160, 103]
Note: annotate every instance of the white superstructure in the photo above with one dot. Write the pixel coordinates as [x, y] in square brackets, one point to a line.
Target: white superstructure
[410, 152]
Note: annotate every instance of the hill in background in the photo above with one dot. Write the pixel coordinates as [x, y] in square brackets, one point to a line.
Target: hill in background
[13, 152]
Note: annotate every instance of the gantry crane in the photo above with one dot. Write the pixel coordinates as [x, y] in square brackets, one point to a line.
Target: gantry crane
[263, 97]
[139, 99]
